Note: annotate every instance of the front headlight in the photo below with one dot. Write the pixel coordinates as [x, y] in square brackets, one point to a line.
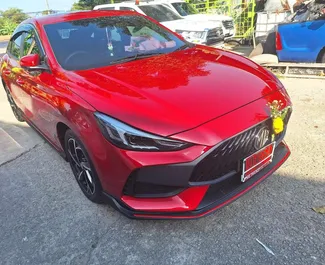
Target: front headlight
[127, 137]
[190, 35]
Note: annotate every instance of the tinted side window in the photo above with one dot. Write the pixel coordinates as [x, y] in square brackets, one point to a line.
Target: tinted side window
[184, 9]
[15, 46]
[126, 8]
[159, 12]
[107, 8]
[30, 44]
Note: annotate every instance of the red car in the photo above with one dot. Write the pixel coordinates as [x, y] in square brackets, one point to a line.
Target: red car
[158, 127]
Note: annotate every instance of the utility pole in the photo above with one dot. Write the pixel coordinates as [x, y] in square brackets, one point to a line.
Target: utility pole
[48, 7]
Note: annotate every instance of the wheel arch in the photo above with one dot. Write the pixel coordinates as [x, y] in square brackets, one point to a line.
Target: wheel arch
[320, 55]
[61, 129]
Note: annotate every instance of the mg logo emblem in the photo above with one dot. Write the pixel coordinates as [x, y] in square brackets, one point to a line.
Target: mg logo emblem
[261, 138]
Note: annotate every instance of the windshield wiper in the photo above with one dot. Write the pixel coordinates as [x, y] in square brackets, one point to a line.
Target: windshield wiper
[136, 57]
[184, 47]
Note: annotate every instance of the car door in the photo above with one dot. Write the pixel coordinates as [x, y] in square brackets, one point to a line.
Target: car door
[301, 41]
[42, 101]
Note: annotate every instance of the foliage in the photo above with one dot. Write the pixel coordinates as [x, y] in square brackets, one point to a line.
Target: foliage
[15, 15]
[30, 46]
[47, 12]
[88, 4]
[7, 26]
[9, 20]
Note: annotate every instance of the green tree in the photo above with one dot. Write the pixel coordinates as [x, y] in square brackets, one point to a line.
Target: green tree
[89, 4]
[15, 15]
[7, 26]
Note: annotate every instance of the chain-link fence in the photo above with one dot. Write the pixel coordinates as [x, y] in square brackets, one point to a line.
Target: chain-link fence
[242, 11]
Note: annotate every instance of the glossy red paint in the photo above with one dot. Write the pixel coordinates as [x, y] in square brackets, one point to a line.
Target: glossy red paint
[200, 95]
[30, 60]
[187, 200]
[217, 130]
[188, 83]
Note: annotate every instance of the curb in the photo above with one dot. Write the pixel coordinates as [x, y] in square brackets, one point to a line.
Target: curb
[5, 38]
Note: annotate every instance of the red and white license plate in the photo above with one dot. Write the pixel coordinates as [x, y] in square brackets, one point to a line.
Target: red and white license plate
[257, 161]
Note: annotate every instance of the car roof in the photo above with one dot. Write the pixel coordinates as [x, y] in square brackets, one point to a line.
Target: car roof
[70, 16]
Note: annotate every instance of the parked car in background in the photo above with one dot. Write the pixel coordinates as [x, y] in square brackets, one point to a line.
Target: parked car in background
[186, 10]
[202, 32]
[301, 39]
[155, 125]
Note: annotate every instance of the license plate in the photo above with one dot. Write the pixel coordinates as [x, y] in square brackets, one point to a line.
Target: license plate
[257, 161]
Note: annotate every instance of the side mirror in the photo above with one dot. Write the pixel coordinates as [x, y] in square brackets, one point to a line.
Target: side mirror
[32, 63]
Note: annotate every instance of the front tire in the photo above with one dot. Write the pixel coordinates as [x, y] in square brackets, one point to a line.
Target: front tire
[322, 58]
[83, 168]
[16, 111]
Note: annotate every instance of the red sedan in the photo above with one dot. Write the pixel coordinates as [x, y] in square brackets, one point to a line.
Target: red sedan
[158, 127]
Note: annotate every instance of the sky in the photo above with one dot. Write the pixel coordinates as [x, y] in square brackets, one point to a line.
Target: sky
[36, 5]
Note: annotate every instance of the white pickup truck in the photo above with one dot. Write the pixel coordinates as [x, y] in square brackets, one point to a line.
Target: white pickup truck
[201, 32]
[186, 10]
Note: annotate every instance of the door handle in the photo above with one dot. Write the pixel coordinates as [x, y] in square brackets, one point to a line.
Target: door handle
[6, 72]
[20, 81]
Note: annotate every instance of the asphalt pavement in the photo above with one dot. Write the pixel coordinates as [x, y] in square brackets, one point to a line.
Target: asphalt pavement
[45, 219]
[3, 46]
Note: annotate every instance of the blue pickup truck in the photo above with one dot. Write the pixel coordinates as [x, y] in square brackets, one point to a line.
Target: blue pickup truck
[302, 38]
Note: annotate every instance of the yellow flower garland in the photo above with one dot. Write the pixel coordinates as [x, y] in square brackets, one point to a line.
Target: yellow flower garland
[277, 116]
[278, 125]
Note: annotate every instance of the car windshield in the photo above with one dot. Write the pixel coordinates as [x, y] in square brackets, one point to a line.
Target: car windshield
[159, 12]
[184, 9]
[102, 41]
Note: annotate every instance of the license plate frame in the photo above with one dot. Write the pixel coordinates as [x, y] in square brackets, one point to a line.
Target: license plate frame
[268, 153]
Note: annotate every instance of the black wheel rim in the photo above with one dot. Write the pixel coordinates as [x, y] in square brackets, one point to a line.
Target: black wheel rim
[81, 167]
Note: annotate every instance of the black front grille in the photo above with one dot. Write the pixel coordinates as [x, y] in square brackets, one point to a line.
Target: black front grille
[228, 24]
[228, 155]
[214, 35]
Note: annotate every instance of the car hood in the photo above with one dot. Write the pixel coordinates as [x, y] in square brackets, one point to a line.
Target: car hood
[170, 93]
[188, 25]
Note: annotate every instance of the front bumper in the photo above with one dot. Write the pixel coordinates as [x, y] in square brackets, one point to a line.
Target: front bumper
[228, 28]
[195, 201]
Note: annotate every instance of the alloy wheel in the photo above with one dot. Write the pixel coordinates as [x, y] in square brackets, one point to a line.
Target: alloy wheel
[81, 167]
